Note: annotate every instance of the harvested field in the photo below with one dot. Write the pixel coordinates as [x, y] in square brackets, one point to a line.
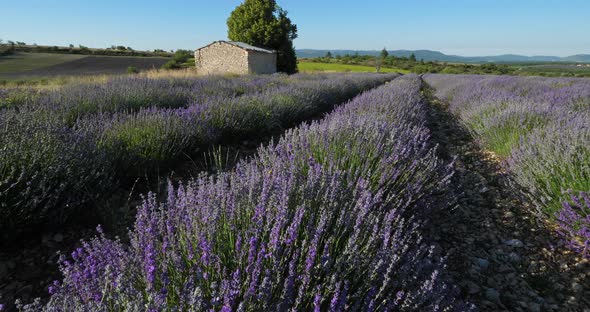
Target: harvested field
[32, 65]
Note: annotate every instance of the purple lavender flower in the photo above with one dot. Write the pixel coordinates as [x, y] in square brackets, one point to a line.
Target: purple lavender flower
[540, 127]
[574, 220]
[333, 211]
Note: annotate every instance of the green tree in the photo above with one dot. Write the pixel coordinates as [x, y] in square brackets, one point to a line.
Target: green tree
[182, 56]
[378, 63]
[412, 57]
[171, 64]
[328, 55]
[263, 23]
[384, 53]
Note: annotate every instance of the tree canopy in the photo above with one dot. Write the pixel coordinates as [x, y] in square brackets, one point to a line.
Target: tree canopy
[263, 23]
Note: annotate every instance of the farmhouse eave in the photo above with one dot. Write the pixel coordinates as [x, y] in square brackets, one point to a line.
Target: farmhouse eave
[241, 45]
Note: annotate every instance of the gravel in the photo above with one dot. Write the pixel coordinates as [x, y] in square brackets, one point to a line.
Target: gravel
[494, 240]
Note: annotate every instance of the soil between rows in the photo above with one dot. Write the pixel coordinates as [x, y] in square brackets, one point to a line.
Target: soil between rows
[503, 257]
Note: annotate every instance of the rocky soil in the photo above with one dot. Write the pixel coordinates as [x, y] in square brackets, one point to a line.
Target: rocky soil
[26, 272]
[503, 257]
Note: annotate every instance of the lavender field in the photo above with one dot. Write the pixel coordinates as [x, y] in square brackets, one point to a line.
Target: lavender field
[367, 192]
[540, 127]
[63, 149]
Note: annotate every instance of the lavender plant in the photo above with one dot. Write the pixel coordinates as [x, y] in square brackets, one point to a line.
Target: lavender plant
[13, 97]
[156, 135]
[554, 161]
[47, 171]
[132, 93]
[329, 218]
[129, 94]
[574, 220]
[63, 149]
[542, 127]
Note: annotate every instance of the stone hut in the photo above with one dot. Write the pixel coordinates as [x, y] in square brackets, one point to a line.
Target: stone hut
[224, 57]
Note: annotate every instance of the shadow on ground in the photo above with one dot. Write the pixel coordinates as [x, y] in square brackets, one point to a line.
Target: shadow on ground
[501, 255]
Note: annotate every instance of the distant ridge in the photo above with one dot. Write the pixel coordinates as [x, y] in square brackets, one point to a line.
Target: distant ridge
[428, 55]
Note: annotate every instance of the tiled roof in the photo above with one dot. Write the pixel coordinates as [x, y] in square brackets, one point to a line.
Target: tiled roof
[242, 45]
[249, 47]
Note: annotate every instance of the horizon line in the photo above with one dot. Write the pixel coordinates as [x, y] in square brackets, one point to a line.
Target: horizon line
[450, 53]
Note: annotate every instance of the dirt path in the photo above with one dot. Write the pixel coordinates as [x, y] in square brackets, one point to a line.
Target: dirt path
[503, 258]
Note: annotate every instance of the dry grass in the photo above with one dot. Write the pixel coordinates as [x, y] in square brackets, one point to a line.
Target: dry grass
[57, 82]
[162, 73]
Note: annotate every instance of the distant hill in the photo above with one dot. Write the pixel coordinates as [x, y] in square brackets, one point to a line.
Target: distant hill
[581, 58]
[428, 55]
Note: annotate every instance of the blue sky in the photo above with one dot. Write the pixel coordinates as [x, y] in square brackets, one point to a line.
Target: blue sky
[463, 27]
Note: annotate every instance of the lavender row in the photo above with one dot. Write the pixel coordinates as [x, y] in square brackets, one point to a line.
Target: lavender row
[502, 109]
[328, 218]
[155, 135]
[45, 171]
[541, 126]
[51, 170]
[127, 94]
